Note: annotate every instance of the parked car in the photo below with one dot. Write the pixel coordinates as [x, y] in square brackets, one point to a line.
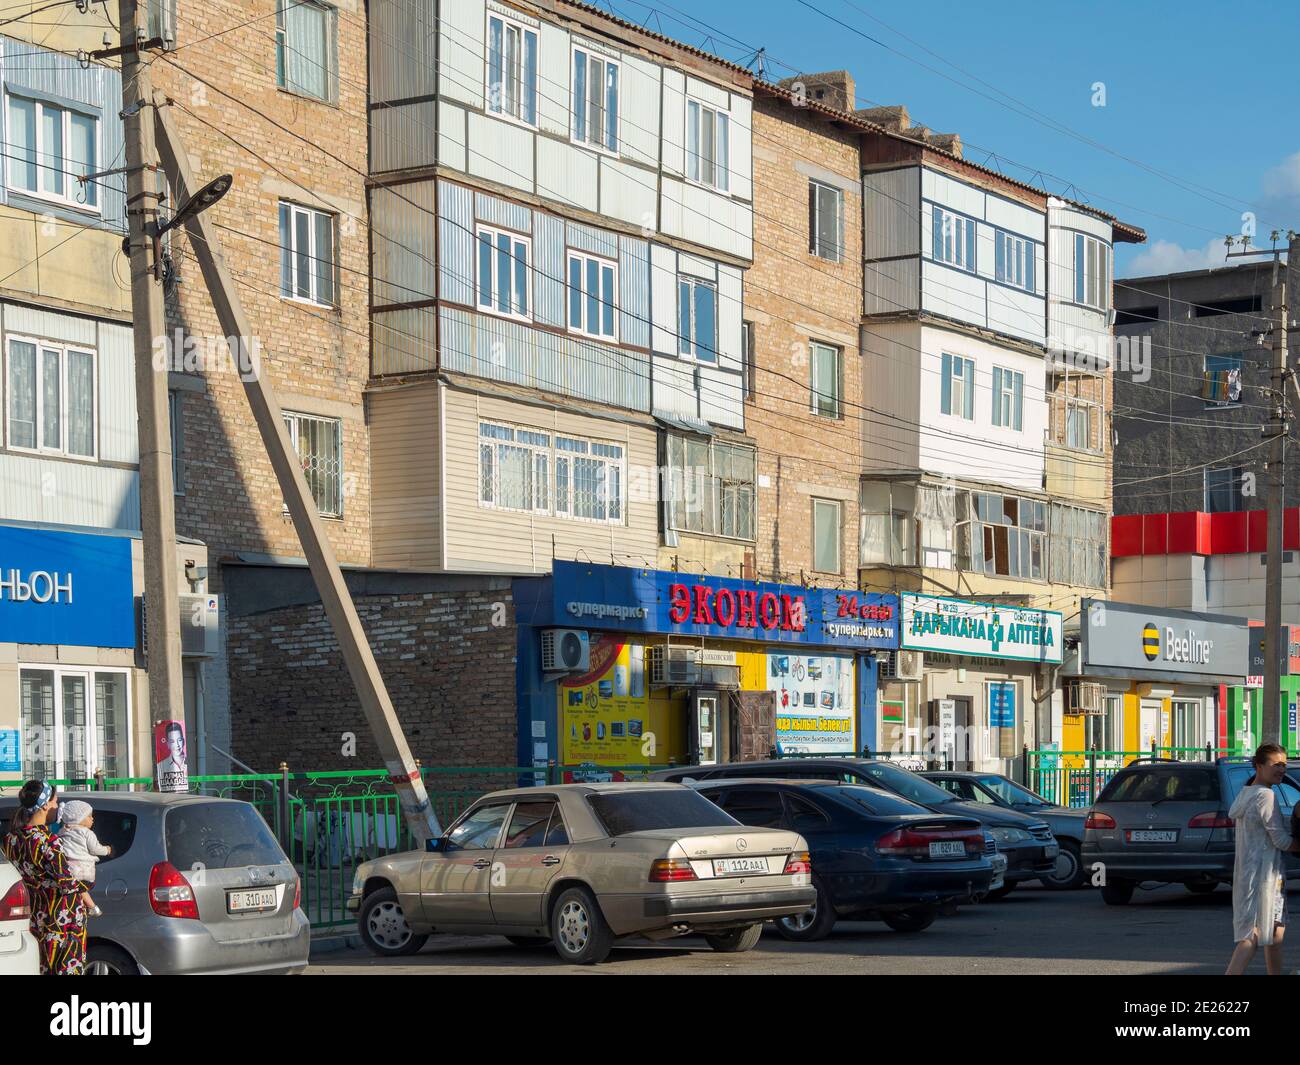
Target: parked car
[1066, 823]
[1167, 821]
[194, 885]
[19, 955]
[1027, 842]
[582, 866]
[876, 856]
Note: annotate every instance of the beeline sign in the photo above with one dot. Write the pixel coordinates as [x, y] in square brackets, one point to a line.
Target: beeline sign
[1187, 648]
[699, 604]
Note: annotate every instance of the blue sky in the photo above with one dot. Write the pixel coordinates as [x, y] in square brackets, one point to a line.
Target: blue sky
[1188, 92]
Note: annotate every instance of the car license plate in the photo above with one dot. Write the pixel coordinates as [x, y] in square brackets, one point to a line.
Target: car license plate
[949, 848]
[250, 901]
[738, 866]
[1146, 835]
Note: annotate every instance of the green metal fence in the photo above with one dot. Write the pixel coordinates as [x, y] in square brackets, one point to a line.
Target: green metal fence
[1079, 784]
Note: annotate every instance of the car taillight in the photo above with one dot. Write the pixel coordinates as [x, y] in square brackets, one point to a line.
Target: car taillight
[170, 894]
[670, 870]
[1212, 819]
[800, 862]
[297, 894]
[915, 842]
[1099, 820]
[16, 905]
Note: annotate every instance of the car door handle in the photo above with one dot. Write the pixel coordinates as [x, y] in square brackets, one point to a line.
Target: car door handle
[551, 859]
[482, 863]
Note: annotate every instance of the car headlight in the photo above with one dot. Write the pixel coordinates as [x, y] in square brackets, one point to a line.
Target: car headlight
[358, 882]
[1010, 835]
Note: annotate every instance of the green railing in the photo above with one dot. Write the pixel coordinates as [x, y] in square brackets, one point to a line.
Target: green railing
[1046, 773]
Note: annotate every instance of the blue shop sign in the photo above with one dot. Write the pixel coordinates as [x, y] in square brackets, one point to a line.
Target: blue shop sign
[1002, 705]
[625, 599]
[65, 588]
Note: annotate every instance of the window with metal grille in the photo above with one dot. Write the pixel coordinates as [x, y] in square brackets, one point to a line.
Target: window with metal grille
[544, 473]
[319, 443]
[710, 487]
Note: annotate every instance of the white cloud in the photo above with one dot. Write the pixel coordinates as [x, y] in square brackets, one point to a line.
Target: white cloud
[1167, 257]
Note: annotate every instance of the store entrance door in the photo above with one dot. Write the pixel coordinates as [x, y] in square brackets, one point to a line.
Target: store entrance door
[1148, 724]
[707, 728]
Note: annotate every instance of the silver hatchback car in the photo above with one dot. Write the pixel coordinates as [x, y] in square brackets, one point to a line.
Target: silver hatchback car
[194, 885]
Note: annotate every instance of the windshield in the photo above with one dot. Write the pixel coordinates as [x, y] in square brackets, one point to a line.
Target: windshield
[905, 783]
[219, 835]
[1010, 791]
[637, 811]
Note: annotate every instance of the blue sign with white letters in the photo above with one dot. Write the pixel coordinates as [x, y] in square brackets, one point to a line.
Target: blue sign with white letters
[1002, 705]
[65, 588]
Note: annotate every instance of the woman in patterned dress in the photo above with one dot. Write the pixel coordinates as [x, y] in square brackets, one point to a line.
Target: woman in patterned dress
[58, 914]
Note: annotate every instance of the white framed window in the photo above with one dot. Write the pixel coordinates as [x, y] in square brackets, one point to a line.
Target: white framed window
[511, 88]
[307, 265]
[595, 100]
[306, 49]
[710, 487]
[748, 367]
[514, 468]
[48, 146]
[593, 296]
[557, 474]
[319, 443]
[1008, 398]
[825, 221]
[1076, 412]
[708, 146]
[953, 238]
[1014, 260]
[1078, 546]
[1091, 272]
[504, 277]
[957, 387]
[827, 534]
[826, 367]
[697, 318]
[52, 398]
[75, 721]
[589, 479]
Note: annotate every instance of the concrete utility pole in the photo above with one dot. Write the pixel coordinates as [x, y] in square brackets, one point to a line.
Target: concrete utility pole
[336, 599]
[157, 501]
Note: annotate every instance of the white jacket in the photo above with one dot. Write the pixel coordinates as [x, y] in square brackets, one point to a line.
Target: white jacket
[1259, 871]
[81, 850]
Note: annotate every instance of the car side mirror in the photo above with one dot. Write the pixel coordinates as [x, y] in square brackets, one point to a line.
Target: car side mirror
[434, 844]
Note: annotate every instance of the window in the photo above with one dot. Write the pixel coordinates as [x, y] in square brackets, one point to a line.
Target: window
[825, 221]
[953, 239]
[1008, 536]
[756, 808]
[910, 524]
[306, 57]
[748, 368]
[512, 69]
[1188, 722]
[697, 318]
[827, 380]
[567, 476]
[1076, 411]
[826, 535]
[480, 829]
[1091, 272]
[621, 812]
[1222, 386]
[710, 487]
[306, 254]
[176, 421]
[49, 146]
[74, 722]
[1014, 260]
[504, 281]
[1008, 398]
[957, 388]
[1078, 546]
[1223, 492]
[595, 100]
[319, 443]
[51, 398]
[528, 825]
[1101, 730]
[706, 146]
[592, 296]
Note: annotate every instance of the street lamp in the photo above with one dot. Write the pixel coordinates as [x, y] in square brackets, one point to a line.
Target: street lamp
[200, 201]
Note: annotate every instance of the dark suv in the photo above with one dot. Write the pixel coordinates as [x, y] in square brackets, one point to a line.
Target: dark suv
[1167, 821]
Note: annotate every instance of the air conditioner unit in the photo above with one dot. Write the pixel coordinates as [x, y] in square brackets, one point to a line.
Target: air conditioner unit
[1084, 697]
[904, 665]
[690, 667]
[566, 651]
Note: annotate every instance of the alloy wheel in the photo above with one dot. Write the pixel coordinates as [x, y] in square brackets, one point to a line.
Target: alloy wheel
[387, 926]
[574, 926]
[800, 922]
[102, 968]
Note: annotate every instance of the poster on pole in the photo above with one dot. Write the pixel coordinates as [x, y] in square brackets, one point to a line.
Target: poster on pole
[171, 773]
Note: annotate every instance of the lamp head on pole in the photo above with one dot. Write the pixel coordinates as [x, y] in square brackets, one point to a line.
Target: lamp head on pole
[200, 201]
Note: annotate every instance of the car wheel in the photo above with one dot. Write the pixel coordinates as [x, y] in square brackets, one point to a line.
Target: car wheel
[916, 920]
[1069, 872]
[528, 941]
[737, 941]
[383, 926]
[813, 923]
[1000, 893]
[104, 959]
[1202, 888]
[1117, 892]
[578, 928]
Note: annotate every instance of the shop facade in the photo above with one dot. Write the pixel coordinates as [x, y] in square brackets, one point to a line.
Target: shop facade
[620, 667]
[978, 685]
[1242, 706]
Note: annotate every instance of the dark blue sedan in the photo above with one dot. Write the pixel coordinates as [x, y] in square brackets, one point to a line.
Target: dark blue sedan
[875, 855]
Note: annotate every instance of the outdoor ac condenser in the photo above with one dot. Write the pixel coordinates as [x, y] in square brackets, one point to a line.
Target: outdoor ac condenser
[566, 651]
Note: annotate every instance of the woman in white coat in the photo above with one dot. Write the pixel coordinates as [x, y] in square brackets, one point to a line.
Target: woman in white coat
[1259, 873]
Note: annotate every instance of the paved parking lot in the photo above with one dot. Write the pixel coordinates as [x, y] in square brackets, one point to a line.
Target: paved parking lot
[1031, 931]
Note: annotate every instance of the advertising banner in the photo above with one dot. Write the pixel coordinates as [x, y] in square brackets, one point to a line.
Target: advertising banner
[815, 711]
[984, 630]
[171, 772]
[1125, 639]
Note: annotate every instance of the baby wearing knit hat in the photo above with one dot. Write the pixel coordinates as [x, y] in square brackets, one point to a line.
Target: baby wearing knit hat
[81, 847]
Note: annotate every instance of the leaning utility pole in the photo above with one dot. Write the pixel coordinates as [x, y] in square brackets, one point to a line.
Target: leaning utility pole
[1271, 727]
[335, 598]
[157, 502]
